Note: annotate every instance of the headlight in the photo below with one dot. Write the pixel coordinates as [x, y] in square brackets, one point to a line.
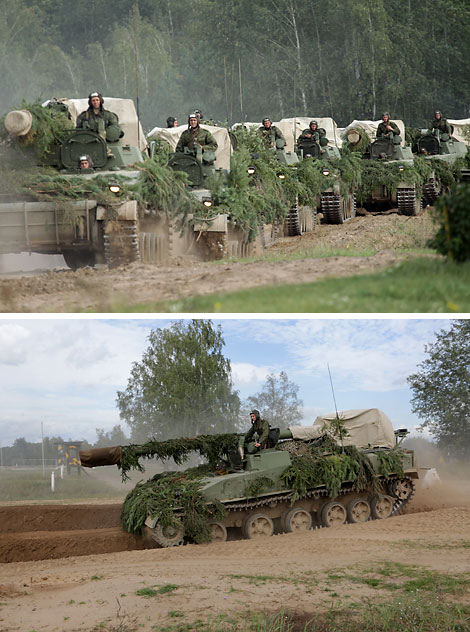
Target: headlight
[325, 171]
[401, 167]
[207, 202]
[281, 176]
[114, 187]
[251, 170]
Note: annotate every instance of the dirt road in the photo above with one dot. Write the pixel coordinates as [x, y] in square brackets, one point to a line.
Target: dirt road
[302, 572]
[103, 290]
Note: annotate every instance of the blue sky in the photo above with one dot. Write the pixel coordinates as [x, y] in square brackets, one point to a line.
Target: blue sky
[65, 372]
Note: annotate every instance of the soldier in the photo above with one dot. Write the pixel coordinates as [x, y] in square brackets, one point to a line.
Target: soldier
[171, 121]
[439, 124]
[260, 427]
[270, 133]
[387, 128]
[85, 162]
[99, 120]
[311, 139]
[196, 136]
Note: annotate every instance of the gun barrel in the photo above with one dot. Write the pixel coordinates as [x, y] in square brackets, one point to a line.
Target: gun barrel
[101, 456]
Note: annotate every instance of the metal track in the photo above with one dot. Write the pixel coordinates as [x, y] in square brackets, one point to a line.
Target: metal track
[293, 222]
[336, 209]
[243, 505]
[431, 191]
[407, 202]
[121, 242]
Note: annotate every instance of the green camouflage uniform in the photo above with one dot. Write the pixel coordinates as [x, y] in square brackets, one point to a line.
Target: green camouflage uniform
[98, 123]
[314, 136]
[442, 125]
[197, 135]
[259, 427]
[271, 135]
[383, 131]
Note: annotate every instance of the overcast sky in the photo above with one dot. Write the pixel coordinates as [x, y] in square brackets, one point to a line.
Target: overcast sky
[66, 372]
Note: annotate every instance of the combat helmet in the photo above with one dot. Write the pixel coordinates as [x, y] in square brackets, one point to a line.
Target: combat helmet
[95, 94]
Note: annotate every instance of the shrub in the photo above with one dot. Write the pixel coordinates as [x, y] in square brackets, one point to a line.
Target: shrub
[452, 214]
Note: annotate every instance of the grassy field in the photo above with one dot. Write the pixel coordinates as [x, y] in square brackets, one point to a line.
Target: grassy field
[406, 598]
[29, 484]
[421, 285]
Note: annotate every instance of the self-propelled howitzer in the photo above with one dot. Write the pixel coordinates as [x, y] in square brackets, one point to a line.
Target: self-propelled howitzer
[347, 467]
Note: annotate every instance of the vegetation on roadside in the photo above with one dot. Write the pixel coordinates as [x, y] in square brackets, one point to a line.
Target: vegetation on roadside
[452, 217]
[418, 285]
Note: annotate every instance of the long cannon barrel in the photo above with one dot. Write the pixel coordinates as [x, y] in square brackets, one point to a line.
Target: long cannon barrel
[101, 456]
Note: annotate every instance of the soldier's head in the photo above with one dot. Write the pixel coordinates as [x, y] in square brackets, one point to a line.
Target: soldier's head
[170, 122]
[85, 162]
[385, 117]
[95, 101]
[193, 120]
[437, 115]
[266, 122]
[313, 125]
[254, 415]
[198, 113]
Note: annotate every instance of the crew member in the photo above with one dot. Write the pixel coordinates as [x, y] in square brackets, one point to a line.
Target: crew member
[270, 132]
[260, 428]
[195, 136]
[387, 128]
[439, 124]
[99, 120]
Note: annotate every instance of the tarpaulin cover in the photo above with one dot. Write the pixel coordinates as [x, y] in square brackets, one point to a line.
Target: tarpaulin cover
[368, 428]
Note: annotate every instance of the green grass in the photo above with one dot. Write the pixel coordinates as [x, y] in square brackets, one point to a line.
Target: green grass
[420, 285]
[31, 485]
[412, 613]
[412, 544]
[153, 591]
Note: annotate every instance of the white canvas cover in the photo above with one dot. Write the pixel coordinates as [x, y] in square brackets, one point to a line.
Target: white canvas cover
[224, 149]
[370, 127]
[298, 124]
[126, 112]
[461, 129]
[367, 428]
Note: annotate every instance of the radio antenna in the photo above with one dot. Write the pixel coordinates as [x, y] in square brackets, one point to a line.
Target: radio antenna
[332, 390]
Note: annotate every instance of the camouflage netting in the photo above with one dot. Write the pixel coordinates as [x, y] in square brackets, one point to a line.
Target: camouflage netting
[214, 448]
[173, 498]
[325, 462]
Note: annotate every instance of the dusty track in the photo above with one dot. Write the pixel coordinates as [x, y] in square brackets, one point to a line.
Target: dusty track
[83, 593]
[102, 290]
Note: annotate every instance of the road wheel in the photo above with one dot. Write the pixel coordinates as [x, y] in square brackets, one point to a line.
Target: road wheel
[401, 488]
[171, 535]
[381, 507]
[257, 526]
[333, 514]
[218, 532]
[358, 510]
[297, 519]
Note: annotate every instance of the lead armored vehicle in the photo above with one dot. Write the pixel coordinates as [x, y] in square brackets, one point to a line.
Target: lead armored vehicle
[347, 467]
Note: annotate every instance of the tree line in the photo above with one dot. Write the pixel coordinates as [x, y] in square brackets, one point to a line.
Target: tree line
[238, 60]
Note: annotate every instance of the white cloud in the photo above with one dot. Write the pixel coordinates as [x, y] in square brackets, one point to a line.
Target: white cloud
[14, 341]
[245, 373]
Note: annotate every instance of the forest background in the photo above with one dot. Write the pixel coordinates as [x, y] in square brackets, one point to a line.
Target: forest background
[237, 60]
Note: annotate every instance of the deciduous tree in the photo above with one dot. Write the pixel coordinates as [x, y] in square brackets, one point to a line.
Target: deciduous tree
[441, 388]
[278, 401]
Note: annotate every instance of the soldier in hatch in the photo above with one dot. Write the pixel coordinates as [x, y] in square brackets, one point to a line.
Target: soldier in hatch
[195, 136]
[311, 139]
[99, 120]
[171, 122]
[260, 428]
[387, 128]
[439, 124]
[270, 133]
[85, 163]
